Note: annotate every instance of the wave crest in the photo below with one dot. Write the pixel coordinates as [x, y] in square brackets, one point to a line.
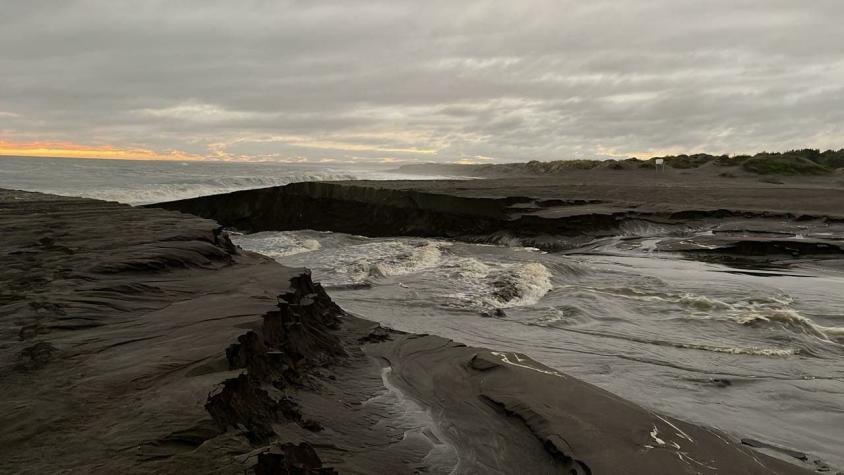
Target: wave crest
[276, 245]
[521, 285]
[193, 187]
[419, 257]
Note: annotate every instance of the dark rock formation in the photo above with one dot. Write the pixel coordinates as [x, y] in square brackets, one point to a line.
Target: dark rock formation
[295, 335]
[377, 335]
[291, 341]
[291, 459]
[244, 404]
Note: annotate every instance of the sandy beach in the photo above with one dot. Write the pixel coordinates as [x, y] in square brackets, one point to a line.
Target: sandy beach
[140, 340]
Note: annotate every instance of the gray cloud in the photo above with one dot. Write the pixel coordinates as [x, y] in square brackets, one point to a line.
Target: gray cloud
[432, 80]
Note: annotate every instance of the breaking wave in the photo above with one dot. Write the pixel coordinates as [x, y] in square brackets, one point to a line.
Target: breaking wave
[276, 245]
[465, 283]
[371, 260]
[193, 187]
[521, 285]
[442, 274]
[417, 257]
[749, 312]
[752, 350]
[788, 317]
[481, 286]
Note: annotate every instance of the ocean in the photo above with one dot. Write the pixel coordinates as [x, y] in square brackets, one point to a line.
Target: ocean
[756, 353]
[143, 182]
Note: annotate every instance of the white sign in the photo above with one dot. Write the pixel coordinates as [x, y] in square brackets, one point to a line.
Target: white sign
[659, 161]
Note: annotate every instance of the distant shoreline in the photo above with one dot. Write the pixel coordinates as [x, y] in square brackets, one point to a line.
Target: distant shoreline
[807, 162]
[794, 162]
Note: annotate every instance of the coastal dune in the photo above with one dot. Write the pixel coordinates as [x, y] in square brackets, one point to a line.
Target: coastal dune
[141, 340]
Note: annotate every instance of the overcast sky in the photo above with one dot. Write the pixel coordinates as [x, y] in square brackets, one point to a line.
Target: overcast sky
[420, 80]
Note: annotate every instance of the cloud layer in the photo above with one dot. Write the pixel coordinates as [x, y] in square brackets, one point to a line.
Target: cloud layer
[423, 80]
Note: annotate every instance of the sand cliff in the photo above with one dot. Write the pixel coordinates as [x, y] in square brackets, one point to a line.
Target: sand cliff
[756, 223]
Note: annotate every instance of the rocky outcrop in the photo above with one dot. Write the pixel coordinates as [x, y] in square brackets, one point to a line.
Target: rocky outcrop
[290, 458]
[290, 342]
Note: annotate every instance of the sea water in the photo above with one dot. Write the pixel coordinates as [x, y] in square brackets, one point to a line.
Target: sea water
[756, 355]
[145, 181]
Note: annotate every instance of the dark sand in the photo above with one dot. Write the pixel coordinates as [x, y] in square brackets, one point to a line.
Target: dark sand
[652, 191]
[140, 341]
[751, 222]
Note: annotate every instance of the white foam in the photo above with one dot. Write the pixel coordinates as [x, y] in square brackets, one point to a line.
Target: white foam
[276, 245]
[751, 350]
[368, 260]
[416, 258]
[483, 285]
[521, 363]
[655, 436]
[702, 302]
[788, 317]
[531, 281]
[749, 311]
[634, 228]
[137, 194]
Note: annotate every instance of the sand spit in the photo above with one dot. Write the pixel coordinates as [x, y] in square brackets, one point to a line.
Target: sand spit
[142, 341]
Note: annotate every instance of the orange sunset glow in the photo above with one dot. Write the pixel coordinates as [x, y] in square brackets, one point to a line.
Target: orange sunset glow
[73, 150]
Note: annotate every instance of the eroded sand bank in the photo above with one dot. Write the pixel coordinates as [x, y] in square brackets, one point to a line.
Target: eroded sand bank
[140, 340]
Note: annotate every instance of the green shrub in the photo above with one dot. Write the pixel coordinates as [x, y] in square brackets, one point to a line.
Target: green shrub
[785, 164]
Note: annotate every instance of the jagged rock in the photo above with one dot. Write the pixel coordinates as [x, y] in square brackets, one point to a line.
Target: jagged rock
[251, 353]
[291, 340]
[291, 459]
[376, 335]
[247, 347]
[506, 290]
[221, 238]
[242, 403]
[289, 409]
[494, 313]
[311, 425]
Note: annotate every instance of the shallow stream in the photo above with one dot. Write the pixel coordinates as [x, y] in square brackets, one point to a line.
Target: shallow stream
[757, 354]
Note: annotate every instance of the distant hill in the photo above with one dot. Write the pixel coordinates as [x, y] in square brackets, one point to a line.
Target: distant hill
[794, 162]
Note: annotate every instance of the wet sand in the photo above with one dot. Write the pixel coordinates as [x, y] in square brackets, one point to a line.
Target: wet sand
[140, 340]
